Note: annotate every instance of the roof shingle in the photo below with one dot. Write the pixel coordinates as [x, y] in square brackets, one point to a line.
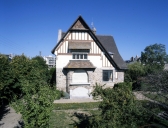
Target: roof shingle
[79, 64]
[79, 45]
[110, 46]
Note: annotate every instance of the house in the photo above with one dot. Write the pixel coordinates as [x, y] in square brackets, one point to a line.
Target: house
[84, 59]
[50, 61]
[133, 60]
[9, 56]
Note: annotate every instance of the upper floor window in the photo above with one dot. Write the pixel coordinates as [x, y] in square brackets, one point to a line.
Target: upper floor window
[79, 55]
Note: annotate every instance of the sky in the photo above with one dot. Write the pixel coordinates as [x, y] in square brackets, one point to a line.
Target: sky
[31, 26]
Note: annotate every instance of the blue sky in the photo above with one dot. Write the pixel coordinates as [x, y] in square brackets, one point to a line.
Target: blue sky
[30, 26]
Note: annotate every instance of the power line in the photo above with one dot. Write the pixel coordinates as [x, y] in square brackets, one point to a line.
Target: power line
[11, 45]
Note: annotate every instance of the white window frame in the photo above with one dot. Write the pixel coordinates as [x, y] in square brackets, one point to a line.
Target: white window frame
[116, 75]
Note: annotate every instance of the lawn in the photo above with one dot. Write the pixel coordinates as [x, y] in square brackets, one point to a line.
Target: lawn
[65, 115]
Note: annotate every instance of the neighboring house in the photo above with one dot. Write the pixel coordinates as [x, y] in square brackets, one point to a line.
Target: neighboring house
[133, 60]
[9, 56]
[84, 59]
[50, 61]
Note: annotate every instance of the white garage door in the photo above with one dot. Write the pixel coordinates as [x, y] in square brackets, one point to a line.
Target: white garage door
[80, 92]
[79, 76]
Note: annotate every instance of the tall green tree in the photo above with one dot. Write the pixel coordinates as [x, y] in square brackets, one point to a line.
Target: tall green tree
[6, 80]
[34, 94]
[42, 68]
[134, 71]
[154, 57]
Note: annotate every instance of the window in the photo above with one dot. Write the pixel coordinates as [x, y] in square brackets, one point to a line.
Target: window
[107, 75]
[79, 76]
[79, 55]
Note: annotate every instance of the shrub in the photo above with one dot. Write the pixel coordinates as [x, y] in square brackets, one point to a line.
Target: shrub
[119, 109]
[36, 105]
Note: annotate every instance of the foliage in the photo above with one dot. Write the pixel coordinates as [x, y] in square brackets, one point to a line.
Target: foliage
[6, 79]
[118, 108]
[154, 57]
[135, 70]
[36, 105]
[34, 96]
[52, 73]
[156, 82]
[26, 83]
[24, 69]
[42, 68]
[124, 85]
[156, 88]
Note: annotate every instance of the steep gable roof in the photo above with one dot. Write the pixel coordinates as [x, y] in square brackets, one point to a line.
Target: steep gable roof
[101, 41]
[79, 24]
[110, 46]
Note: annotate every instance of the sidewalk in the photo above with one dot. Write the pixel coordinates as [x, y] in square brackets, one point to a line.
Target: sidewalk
[75, 101]
[9, 118]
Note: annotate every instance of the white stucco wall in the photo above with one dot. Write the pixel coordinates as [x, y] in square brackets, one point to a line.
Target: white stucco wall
[96, 61]
[62, 60]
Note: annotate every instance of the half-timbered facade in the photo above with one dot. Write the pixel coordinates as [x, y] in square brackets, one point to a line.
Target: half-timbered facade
[84, 58]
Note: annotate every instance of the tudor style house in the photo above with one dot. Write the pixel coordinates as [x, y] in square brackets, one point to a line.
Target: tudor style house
[84, 59]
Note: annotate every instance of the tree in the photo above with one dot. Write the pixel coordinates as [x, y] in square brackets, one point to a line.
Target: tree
[34, 96]
[24, 83]
[154, 57]
[134, 71]
[43, 68]
[6, 80]
[156, 89]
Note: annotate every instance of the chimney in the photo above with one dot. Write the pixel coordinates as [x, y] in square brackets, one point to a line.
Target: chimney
[94, 30]
[59, 35]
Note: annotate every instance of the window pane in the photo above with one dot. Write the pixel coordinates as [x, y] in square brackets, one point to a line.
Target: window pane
[110, 77]
[77, 56]
[73, 57]
[107, 75]
[81, 56]
[85, 56]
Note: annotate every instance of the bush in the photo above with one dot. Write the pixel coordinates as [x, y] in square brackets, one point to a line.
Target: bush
[124, 85]
[119, 109]
[25, 82]
[36, 105]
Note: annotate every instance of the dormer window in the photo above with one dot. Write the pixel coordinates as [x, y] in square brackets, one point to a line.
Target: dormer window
[79, 50]
[111, 54]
